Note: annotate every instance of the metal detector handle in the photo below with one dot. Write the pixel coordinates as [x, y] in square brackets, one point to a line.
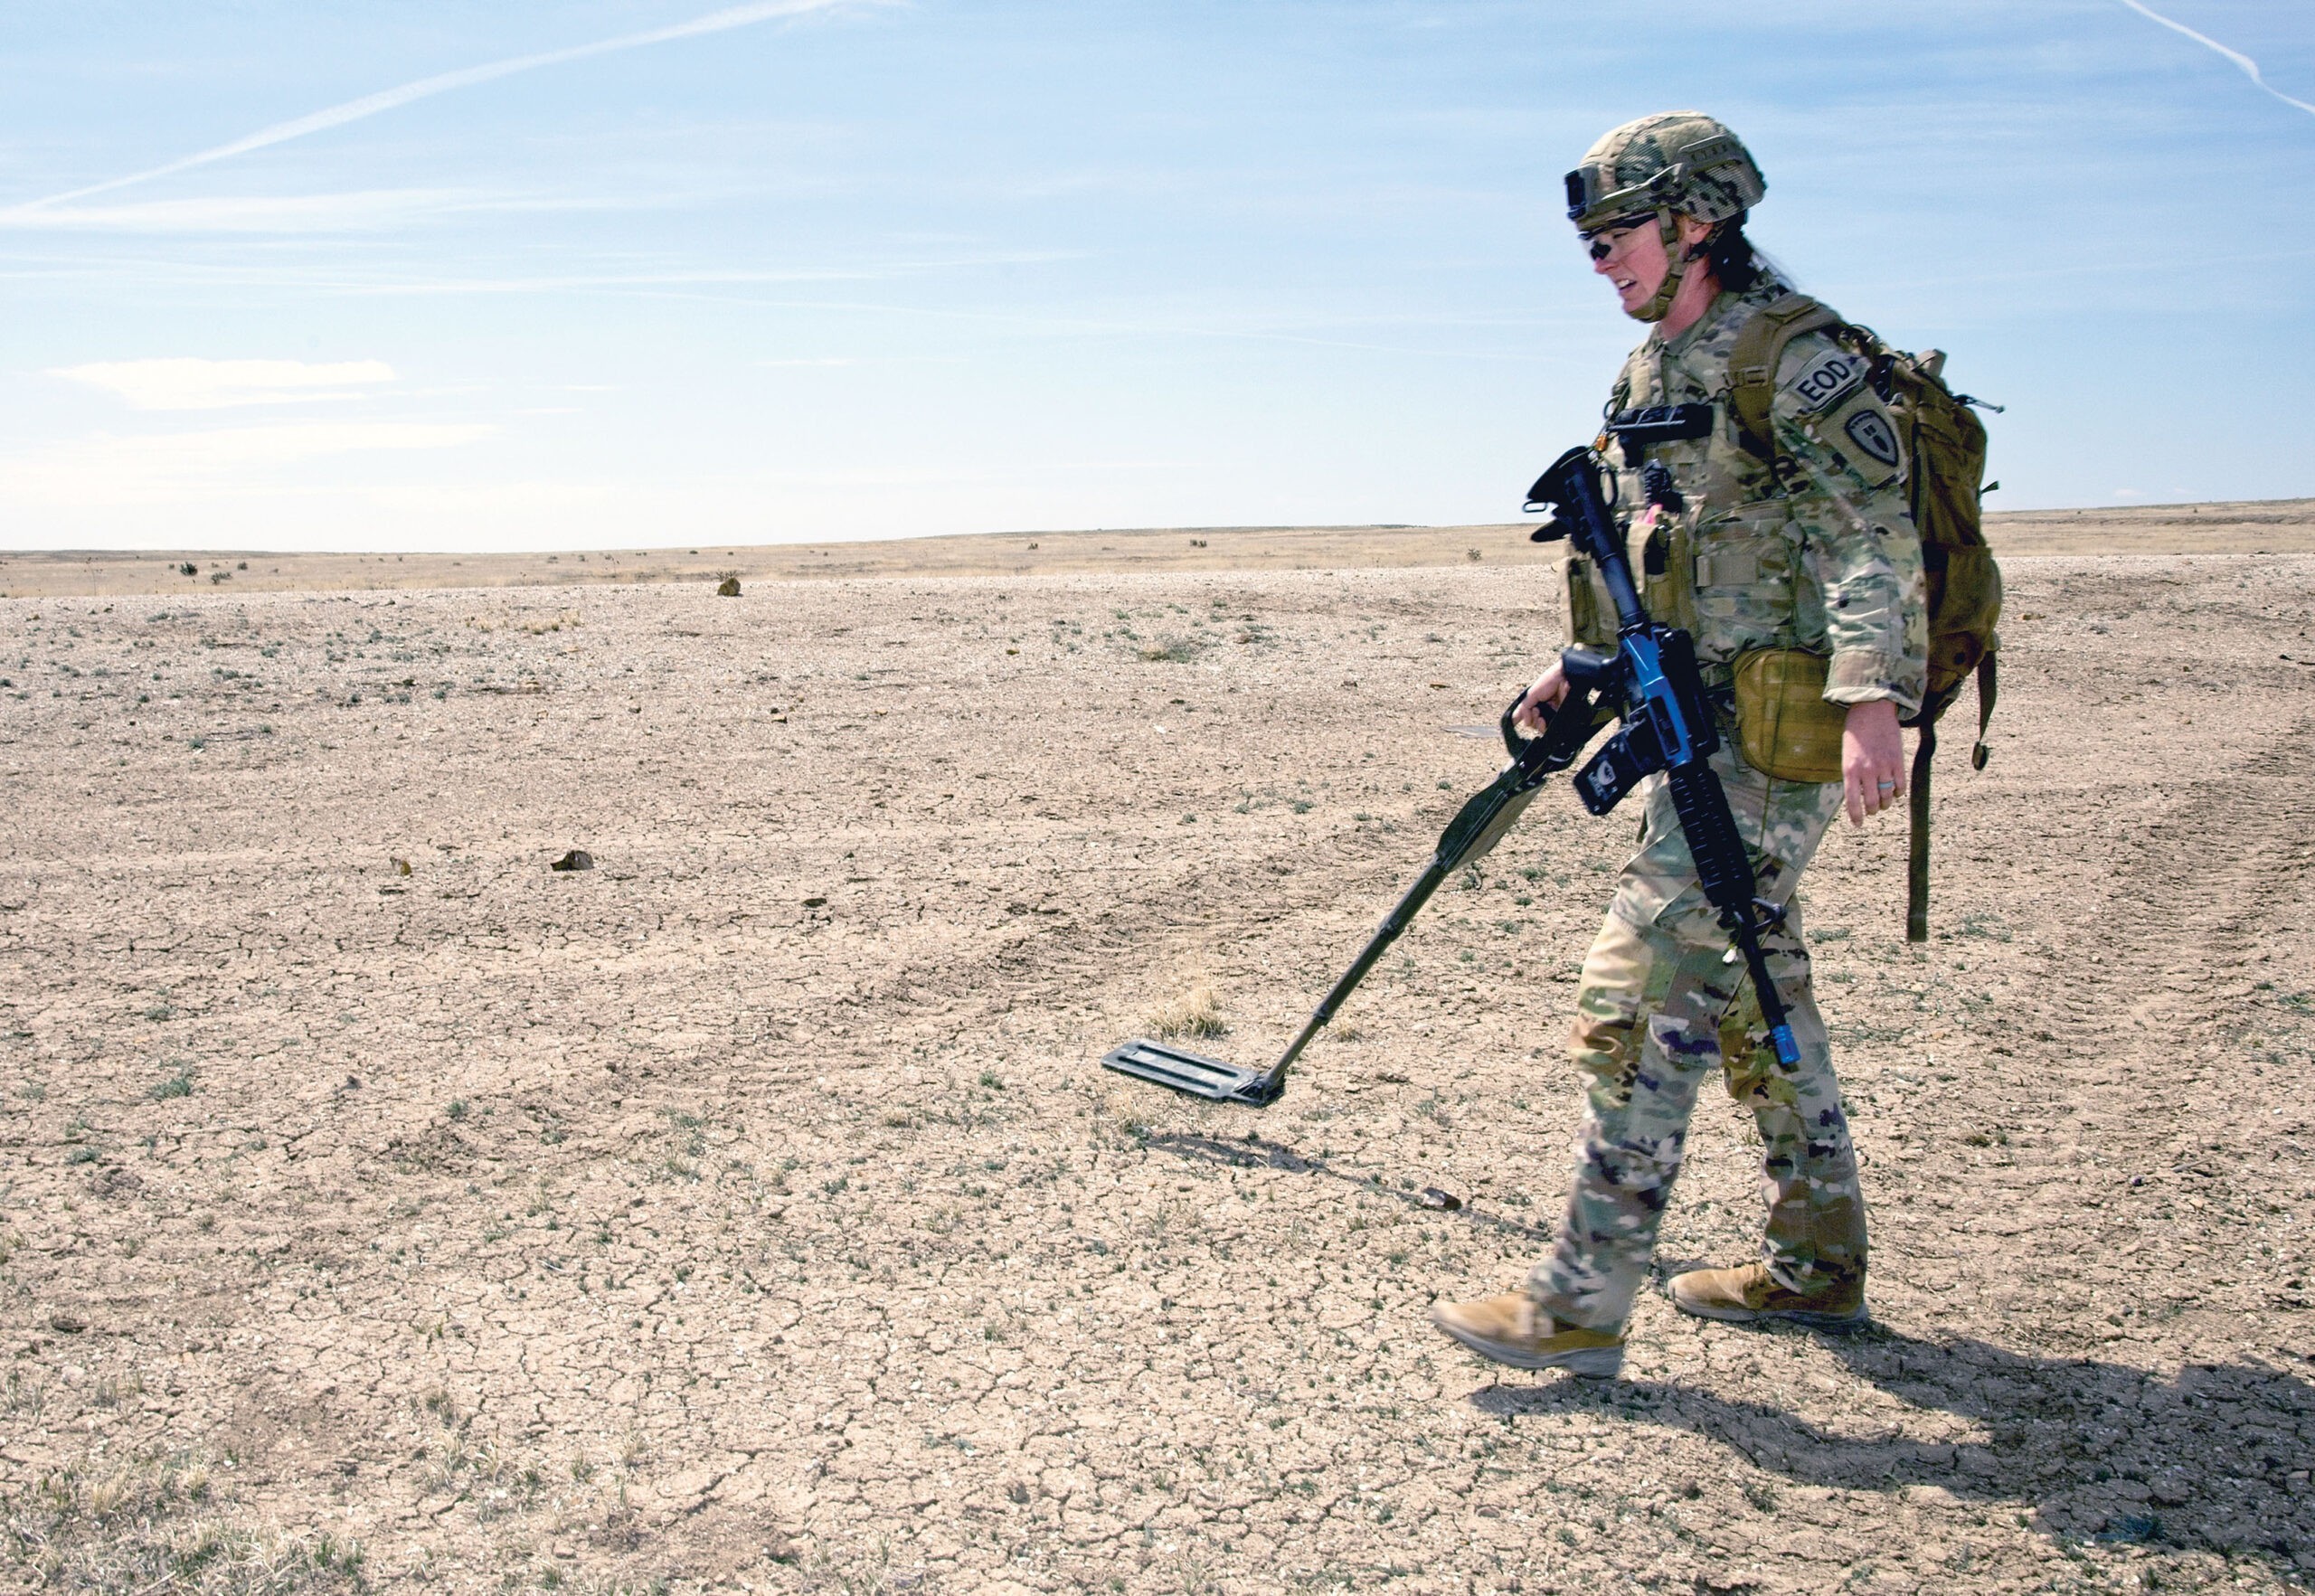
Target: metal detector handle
[1587, 674]
[1513, 742]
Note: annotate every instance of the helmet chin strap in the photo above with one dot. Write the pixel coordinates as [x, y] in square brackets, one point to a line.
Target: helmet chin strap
[1676, 261]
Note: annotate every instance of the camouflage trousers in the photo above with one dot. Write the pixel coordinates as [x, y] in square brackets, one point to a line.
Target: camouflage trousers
[1661, 1006]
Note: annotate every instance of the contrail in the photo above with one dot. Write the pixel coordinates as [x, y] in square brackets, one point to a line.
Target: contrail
[2250, 68]
[370, 105]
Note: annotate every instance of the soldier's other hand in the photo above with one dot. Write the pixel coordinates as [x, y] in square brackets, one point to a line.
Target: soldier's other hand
[1872, 760]
[1549, 692]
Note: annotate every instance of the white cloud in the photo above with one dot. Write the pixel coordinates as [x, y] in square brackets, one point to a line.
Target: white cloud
[2242, 63]
[370, 105]
[192, 384]
[227, 461]
[708, 277]
[320, 212]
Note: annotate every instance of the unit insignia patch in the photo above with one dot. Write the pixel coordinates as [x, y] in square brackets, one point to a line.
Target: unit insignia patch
[1870, 430]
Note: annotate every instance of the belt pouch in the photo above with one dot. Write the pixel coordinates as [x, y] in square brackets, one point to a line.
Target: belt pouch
[1783, 724]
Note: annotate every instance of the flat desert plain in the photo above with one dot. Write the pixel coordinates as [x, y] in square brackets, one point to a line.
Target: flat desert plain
[384, 1208]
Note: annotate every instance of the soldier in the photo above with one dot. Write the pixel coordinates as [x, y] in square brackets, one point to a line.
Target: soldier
[1805, 555]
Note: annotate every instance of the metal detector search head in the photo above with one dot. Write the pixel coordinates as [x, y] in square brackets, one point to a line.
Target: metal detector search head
[1195, 1073]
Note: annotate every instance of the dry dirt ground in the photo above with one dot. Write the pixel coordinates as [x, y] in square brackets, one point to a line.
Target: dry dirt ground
[2254, 527]
[381, 1208]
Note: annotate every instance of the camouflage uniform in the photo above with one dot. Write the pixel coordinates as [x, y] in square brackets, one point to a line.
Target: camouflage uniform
[1819, 554]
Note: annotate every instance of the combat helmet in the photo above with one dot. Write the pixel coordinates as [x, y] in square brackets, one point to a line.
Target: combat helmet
[1672, 163]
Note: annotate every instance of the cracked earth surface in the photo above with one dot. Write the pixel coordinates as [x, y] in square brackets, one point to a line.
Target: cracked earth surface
[747, 1211]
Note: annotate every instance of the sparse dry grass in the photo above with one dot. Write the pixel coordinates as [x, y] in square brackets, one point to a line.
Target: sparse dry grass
[1196, 1012]
[162, 1525]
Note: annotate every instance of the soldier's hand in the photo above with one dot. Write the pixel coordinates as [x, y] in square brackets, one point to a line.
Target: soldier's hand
[1549, 692]
[1872, 760]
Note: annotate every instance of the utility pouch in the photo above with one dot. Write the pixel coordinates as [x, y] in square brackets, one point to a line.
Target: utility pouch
[1585, 624]
[1783, 724]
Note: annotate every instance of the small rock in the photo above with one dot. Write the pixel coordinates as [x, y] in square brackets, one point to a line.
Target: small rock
[67, 1324]
[576, 859]
[1432, 1197]
[2173, 1490]
[729, 587]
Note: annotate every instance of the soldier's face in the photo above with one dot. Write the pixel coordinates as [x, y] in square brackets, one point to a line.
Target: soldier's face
[1633, 261]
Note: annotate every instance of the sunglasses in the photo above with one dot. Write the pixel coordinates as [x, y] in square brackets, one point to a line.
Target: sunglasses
[1603, 241]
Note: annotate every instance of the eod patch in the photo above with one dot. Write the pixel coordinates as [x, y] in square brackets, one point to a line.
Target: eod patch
[1828, 377]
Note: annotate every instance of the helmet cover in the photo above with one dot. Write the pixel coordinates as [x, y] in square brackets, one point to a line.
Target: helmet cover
[1677, 161]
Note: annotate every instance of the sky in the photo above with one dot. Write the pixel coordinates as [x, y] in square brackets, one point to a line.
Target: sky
[601, 273]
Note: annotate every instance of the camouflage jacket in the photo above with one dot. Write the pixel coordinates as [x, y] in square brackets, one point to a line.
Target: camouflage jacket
[1817, 553]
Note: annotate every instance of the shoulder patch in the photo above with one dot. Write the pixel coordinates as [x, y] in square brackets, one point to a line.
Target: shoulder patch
[1827, 378]
[1869, 430]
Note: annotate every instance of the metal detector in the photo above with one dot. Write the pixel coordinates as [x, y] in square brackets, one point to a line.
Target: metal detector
[1477, 826]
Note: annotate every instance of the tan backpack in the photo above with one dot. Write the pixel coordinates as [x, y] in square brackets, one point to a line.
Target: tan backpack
[1946, 446]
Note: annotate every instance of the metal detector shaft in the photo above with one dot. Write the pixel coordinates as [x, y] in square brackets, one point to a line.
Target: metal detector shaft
[1396, 922]
[1477, 827]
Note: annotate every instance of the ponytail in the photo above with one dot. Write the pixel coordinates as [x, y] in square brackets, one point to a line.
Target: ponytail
[1729, 255]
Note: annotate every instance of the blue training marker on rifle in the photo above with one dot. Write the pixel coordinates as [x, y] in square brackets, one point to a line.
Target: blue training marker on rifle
[1787, 1051]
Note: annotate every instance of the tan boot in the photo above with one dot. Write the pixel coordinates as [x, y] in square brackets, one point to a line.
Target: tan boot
[1511, 1329]
[1749, 1294]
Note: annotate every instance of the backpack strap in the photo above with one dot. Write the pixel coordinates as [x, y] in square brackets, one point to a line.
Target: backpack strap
[1989, 689]
[1917, 839]
[1752, 361]
[1917, 834]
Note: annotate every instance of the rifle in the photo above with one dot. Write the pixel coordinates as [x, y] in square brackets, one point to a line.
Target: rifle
[1652, 683]
[1666, 725]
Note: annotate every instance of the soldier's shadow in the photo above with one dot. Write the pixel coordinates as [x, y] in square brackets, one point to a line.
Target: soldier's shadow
[2216, 1460]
